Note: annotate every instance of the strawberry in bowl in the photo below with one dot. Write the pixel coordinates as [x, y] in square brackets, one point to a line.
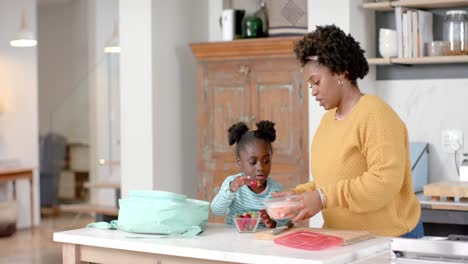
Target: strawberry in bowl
[247, 222]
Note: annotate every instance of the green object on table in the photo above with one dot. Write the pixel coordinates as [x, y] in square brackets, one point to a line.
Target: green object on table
[252, 27]
[161, 213]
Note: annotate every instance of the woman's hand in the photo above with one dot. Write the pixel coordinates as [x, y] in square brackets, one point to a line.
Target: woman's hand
[266, 220]
[309, 205]
[238, 182]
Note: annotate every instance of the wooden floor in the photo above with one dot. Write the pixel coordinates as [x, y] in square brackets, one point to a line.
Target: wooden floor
[36, 246]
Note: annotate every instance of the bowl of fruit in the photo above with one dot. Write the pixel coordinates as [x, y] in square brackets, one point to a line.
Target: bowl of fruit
[247, 222]
[278, 208]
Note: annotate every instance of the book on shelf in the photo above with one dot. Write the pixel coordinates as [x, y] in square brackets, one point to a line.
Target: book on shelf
[414, 34]
[405, 33]
[399, 28]
[425, 21]
[414, 29]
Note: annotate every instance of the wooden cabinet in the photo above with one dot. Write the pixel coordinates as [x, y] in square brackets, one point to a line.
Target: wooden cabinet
[250, 80]
[418, 4]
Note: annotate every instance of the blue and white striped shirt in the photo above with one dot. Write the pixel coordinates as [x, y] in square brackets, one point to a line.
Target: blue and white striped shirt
[244, 200]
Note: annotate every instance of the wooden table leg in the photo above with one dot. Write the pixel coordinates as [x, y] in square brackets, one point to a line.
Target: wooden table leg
[70, 254]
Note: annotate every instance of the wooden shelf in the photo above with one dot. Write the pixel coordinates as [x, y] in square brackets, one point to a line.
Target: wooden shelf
[430, 3]
[378, 6]
[244, 48]
[419, 60]
[379, 61]
[388, 6]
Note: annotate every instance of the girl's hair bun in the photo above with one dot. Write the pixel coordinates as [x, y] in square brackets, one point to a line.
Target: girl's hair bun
[266, 129]
[236, 131]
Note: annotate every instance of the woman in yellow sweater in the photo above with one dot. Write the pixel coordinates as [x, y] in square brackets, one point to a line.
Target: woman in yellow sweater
[360, 152]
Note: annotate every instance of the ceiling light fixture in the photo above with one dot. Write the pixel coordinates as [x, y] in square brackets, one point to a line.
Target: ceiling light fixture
[24, 37]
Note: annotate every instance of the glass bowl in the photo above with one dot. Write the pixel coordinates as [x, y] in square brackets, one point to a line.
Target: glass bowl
[247, 225]
[278, 207]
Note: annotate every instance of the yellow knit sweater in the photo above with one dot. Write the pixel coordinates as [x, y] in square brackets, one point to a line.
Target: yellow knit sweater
[362, 165]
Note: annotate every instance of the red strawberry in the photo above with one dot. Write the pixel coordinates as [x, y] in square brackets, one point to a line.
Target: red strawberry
[254, 183]
[241, 225]
[247, 216]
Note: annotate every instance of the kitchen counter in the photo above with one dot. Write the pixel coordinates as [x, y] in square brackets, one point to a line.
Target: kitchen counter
[456, 205]
[442, 218]
[219, 243]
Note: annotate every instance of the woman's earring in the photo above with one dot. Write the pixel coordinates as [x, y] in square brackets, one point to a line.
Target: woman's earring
[340, 82]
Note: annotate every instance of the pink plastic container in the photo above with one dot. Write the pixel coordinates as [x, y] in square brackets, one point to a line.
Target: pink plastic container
[308, 240]
[278, 208]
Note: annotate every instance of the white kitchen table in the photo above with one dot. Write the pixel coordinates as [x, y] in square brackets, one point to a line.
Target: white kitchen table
[219, 243]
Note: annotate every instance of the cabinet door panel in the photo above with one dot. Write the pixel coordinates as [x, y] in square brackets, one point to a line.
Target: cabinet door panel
[277, 95]
[224, 100]
[226, 93]
[229, 104]
[251, 90]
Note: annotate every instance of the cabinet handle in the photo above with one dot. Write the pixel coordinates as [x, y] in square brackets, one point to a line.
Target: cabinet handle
[244, 70]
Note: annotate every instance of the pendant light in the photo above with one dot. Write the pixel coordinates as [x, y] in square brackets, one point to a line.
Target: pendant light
[113, 44]
[24, 37]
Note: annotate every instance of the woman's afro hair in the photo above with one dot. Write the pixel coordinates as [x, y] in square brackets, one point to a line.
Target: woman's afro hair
[335, 50]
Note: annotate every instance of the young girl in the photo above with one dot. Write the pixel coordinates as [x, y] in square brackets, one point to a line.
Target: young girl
[245, 191]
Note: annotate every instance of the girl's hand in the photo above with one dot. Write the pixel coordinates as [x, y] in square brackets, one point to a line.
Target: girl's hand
[309, 205]
[238, 182]
[266, 220]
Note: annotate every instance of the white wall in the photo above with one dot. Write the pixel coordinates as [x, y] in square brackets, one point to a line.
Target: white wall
[18, 84]
[63, 69]
[54, 56]
[428, 107]
[102, 16]
[158, 115]
[136, 89]
[176, 24]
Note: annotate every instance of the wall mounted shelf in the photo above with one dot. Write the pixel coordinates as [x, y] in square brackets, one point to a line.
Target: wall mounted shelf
[419, 60]
[390, 5]
[379, 61]
[378, 6]
[424, 4]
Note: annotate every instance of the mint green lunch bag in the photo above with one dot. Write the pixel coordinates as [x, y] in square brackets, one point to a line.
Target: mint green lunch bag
[161, 213]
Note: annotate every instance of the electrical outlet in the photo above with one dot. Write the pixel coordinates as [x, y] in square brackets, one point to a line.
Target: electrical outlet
[452, 140]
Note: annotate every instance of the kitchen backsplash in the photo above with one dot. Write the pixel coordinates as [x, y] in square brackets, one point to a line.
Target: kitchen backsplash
[428, 107]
